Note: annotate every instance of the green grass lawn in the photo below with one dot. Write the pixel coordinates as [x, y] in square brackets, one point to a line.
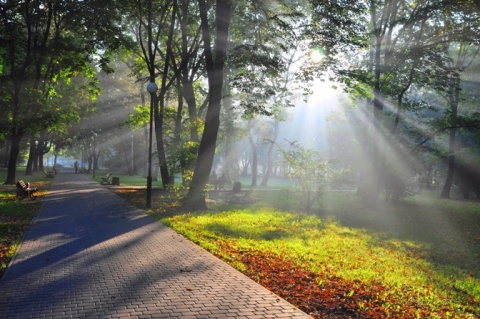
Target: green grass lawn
[15, 216]
[416, 259]
[137, 180]
[125, 180]
[419, 258]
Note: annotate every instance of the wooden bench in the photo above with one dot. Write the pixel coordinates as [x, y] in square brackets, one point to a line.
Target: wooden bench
[218, 183]
[24, 190]
[48, 174]
[105, 179]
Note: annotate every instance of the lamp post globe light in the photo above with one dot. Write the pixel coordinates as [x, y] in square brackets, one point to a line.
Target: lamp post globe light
[152, 89]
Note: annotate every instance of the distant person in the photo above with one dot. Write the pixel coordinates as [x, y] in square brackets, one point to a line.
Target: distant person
[76, 166]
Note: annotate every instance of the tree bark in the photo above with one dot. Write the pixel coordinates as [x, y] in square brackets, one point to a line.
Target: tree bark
[145, 134]
[230, 167]
[215, 64]
[162, 159]
[160, 106]
[451, 165]
[454, 95]
[44, 146]
[15, 139]
[253, 146]
[31, 157]
[132, 169]
[186, 76]
[383, 20]
[7, 152]
[269, 170]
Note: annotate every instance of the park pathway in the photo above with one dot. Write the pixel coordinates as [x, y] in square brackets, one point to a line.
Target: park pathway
[90, 254]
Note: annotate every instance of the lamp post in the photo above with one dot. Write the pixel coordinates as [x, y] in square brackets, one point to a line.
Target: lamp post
[152, 89]
[94, 153]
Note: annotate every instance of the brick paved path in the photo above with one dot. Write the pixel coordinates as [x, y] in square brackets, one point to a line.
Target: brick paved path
[90, 254]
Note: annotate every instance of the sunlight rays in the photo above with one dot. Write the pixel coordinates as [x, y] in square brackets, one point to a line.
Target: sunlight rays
[308, 124]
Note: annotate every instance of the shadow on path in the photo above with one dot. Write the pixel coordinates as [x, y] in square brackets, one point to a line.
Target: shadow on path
[89, 253]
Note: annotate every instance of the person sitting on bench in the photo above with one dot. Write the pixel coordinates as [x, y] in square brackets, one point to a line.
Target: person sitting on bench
[25, 190]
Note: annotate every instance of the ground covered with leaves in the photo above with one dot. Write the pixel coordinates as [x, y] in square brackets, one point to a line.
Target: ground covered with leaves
[15, 218]
[394, 271]
[324, 296]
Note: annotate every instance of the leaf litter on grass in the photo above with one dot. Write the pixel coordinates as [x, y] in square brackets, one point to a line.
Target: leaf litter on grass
[15, 218]
[323, 295]
[337, 284]
[328, 270]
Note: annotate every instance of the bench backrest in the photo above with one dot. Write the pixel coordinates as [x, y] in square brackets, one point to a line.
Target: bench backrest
[22, 184]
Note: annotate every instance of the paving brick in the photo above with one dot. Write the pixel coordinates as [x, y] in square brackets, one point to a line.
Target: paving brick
[89, 254]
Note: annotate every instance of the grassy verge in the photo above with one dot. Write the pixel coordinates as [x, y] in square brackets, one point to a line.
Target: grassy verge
[15, 216]
[137, 180]
[415, 259]
[125, 180]
[374, 275]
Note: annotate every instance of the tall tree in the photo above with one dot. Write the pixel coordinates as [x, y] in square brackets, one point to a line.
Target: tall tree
[215, 48]
[463, 54]
[170, 51]
[407, 49]
[45, 43]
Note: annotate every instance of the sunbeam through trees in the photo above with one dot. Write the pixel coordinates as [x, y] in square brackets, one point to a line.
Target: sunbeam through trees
[377, 99]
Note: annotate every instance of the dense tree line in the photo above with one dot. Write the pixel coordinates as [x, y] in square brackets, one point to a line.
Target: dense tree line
[410, 65]
[48, 80]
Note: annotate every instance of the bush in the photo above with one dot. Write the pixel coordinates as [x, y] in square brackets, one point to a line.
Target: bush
[396, 187]
[311, 174]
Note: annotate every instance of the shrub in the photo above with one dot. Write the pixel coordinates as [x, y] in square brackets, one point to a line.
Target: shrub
[311, 174]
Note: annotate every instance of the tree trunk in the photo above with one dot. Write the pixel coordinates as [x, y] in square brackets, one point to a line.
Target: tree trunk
[369, 184]
[7, 152]
[270, 163]
[192, 109]
[269, 168]
[188, 72]
[40, 161]
[31, 157]
[184, 161]
[451, 166]
[15, 139]
[124, 152]
[230, 160]
[162, 158]
[43, 147]
[253, 146]
[177, 131]
[55, 160]
[131, 169]
[160, 105]
[454, 95]
[215, 64]
[145, 133]
[245, 164]
[186, 90]
[155, 173]
[90, 163]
